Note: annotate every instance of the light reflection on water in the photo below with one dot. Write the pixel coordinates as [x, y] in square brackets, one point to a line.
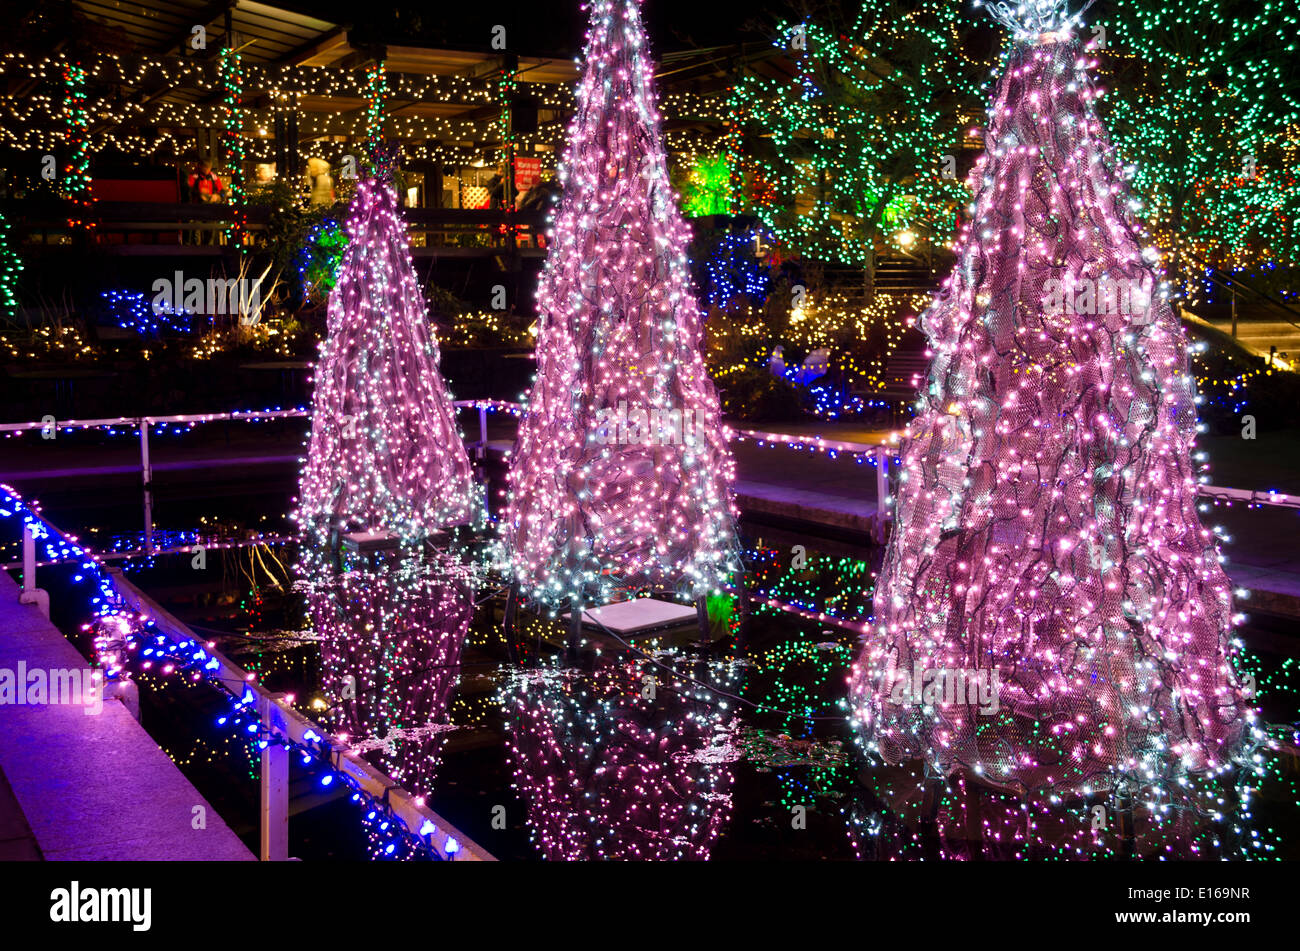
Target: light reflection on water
[662, 751]
[742, 752]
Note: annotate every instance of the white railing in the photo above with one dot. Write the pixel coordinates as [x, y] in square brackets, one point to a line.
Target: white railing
[279, 716]
[274, 710]
[881, 455]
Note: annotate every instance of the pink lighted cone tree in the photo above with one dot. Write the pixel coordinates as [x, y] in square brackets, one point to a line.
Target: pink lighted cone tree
[1046, 525]
[621, 476]
[385, 451]
[390, 656]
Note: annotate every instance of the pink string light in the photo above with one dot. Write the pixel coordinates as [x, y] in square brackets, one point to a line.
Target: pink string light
[385, 452]
[598, 503]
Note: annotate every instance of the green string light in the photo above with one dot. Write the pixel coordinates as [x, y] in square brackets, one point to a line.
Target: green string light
[231, 73]
[1207, 112]
[852, 150]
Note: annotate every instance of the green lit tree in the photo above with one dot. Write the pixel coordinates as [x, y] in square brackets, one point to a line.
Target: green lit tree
[1206, 107]
[856, 148]
[707, 187]
[10, 267]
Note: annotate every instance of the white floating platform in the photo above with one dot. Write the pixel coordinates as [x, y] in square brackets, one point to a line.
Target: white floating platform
[364, 542]
[639, 616]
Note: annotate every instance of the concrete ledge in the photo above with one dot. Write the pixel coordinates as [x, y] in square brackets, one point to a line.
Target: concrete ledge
[806, 505]
[94, 787]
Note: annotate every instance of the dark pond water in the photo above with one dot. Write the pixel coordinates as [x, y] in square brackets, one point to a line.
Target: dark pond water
[659, 747]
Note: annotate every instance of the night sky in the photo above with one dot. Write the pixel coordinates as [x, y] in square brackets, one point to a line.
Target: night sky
[555, 27]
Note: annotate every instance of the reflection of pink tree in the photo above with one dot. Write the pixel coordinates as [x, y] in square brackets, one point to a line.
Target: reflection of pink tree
[385, 450]
[900, 815]
[390, 657]
[597, 501]
[609, 774]
[1046, 524]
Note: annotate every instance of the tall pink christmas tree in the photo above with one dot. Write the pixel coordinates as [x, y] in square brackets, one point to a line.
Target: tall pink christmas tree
[385, 451]
[621, 476]
[1050, 613]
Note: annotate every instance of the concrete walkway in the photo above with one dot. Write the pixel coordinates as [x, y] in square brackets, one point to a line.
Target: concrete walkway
[90, 788]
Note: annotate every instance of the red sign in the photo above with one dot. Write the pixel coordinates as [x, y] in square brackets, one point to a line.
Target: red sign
[528, 172]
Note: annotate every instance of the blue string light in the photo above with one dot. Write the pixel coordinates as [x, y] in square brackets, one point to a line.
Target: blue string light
[132, 311]
[735, 271]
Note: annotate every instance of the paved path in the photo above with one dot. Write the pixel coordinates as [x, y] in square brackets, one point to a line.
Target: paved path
[89, 787]
[17, 844]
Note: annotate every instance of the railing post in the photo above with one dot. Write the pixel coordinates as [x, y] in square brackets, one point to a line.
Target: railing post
[30, 593]
[29, 559]
[146, 474]
[147, 547]
[275, 788]
[882, 480]
[145, 468]
[482, 430]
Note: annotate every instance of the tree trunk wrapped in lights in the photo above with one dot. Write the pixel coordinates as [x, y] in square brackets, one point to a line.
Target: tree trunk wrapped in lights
[1050, 613]
[385, 451]
[621, 476]
[10, 267]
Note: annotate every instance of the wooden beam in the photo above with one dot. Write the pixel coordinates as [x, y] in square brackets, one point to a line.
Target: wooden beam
[362, 55]
[324, 43]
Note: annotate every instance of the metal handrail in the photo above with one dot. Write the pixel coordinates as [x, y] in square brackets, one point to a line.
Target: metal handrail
[881, 454]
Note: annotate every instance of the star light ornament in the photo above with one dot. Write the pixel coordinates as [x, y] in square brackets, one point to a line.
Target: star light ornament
[1036, 18]
[621, 476]
[1045, 527]
[385, 452]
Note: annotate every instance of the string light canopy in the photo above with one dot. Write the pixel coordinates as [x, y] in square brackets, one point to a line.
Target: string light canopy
[621, 476]
[1046, 546]
[385, 452]
[333, 107]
